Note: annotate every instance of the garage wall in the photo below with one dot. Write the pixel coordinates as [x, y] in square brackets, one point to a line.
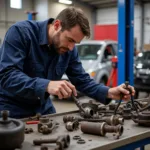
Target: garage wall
[147, 24]
[54, 8]
[41, 6]
[9, 16]
[110, 16]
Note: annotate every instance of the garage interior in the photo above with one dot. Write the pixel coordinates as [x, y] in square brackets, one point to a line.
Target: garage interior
[121, 30]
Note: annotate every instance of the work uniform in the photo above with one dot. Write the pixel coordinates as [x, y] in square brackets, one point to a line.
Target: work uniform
[28, 63]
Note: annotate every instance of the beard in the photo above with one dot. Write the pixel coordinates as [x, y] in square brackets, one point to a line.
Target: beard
[57, 46]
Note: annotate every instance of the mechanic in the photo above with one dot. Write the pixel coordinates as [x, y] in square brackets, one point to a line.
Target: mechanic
[33, 58]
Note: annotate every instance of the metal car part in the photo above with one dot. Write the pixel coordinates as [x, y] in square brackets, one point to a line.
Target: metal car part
[87, 112]
[28, 130]
[112, 120]
[100, 128]
[61, 141]
[11, 131]
[77, 137]
[81, 141]
[46, 125]
[142, 118]
[126, 113]
[71, 126]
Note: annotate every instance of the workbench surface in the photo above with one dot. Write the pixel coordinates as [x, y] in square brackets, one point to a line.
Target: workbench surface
[132, 133]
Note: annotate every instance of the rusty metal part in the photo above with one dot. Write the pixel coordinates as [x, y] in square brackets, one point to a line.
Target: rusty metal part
[87, 110]
[77, 102]
[71, 126]
[112, 106]
[81, 141]
[61, 141]
[101, 107]
[11, 131]
[100, 128]
[46, 125]
[112, 120]
[142, 118]
[98, 115]
[126, 113]
[77, 137]
[137, 104]
[28, 130]
[36, 117]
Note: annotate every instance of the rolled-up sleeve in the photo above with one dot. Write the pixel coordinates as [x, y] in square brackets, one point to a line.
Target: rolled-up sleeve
[12, 55]
[83, 82]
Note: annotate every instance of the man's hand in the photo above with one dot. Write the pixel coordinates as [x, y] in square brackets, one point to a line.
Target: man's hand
[115, 93]
[63, 89]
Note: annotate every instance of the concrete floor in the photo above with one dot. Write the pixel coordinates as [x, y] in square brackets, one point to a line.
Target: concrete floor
[69, 105]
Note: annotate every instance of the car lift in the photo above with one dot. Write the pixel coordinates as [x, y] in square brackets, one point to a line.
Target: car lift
[125, 41]
[122, 68]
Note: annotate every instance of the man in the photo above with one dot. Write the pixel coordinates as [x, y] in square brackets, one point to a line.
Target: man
[33, 58]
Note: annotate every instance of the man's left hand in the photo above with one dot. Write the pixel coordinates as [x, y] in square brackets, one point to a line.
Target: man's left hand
[115, 92]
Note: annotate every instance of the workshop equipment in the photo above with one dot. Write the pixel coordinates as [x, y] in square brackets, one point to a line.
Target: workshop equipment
[131, 133]
[100, 128]
[11, 132]
[61, 141]
[132, 99]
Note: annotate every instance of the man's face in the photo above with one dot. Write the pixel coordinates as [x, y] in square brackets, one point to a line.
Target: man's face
[65, 41]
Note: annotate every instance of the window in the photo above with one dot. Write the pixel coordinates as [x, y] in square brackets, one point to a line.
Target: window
[88, 51]
[17, 4]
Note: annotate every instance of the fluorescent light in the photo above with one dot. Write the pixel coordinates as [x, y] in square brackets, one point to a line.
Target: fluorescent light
[65, 2]
[16, 4]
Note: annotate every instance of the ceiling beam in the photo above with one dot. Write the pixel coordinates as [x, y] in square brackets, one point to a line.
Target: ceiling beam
[103, 2]
[107, 5]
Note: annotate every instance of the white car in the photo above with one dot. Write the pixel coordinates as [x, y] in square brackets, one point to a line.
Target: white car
[97, 54]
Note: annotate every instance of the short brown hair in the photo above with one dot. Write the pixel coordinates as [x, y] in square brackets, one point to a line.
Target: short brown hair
[71, 17]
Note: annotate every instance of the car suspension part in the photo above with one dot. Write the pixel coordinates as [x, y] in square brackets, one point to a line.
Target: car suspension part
[71, 126]
[11, 131]
[112, 120]
[142, 118]
[100, 128]
[46, 125]
[61, 141]
[87, 110]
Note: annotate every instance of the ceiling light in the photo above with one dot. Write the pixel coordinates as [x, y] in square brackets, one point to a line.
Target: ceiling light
[65, 2]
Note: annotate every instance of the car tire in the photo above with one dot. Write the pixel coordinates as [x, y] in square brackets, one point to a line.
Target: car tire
[103, 80]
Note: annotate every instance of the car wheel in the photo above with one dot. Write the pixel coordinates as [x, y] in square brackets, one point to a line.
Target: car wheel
[103, 80]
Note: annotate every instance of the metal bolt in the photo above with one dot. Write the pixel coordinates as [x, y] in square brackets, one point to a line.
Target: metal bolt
[5, 114]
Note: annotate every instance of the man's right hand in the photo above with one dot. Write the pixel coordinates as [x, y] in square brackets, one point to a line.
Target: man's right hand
[63, 89]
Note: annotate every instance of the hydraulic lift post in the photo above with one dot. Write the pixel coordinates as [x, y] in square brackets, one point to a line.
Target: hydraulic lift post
[125, 41]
